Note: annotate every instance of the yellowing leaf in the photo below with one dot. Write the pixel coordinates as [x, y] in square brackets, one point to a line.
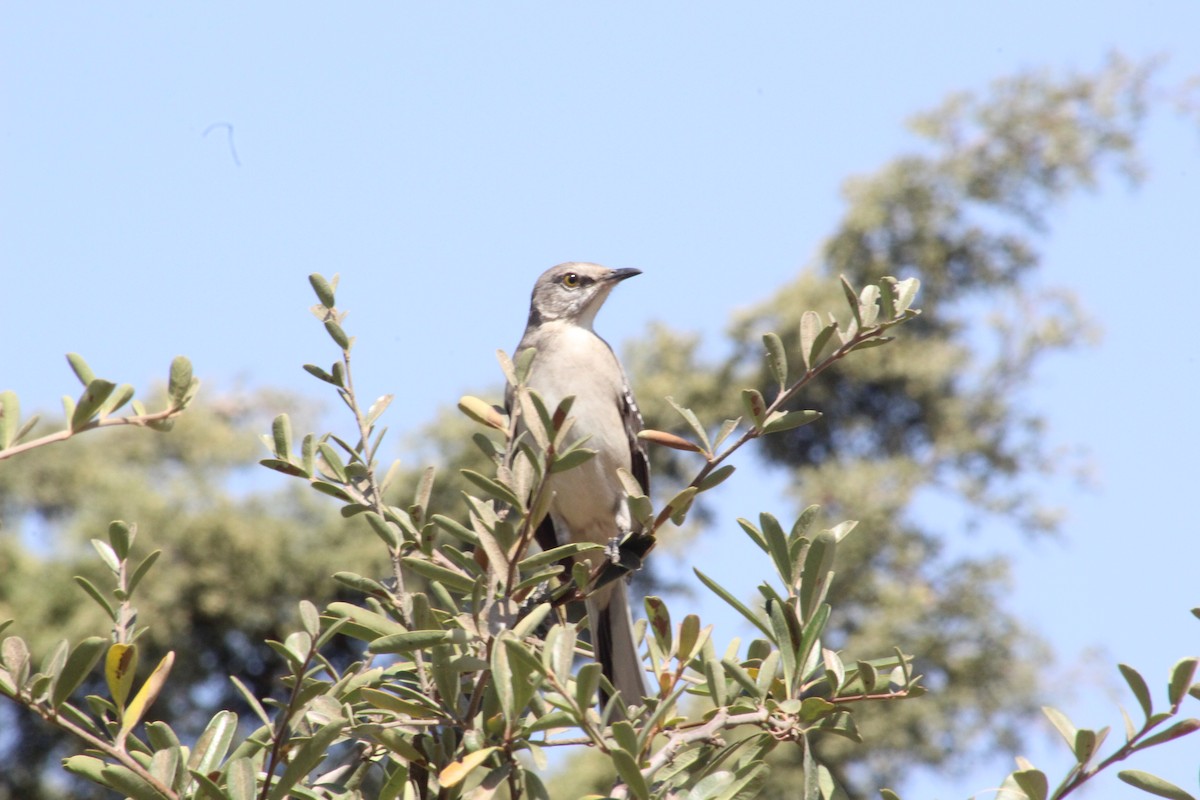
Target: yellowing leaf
[119, 666]
[147, 694]
[454, 773]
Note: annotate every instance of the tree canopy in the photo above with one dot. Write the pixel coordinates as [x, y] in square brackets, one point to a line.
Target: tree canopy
[939, 410]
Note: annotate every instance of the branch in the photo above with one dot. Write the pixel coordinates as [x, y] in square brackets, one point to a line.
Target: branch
[117, 753]
[138, 420]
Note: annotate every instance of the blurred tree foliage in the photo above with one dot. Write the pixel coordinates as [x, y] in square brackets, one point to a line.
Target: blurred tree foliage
[938, 413]
[238, 549]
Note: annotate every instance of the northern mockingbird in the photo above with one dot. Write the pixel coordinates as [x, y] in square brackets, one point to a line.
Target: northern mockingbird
[589, 502]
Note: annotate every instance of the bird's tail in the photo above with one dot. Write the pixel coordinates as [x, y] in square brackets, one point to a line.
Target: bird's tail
[612, 640]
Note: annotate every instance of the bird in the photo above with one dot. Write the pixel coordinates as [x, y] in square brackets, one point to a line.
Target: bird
[589, 505]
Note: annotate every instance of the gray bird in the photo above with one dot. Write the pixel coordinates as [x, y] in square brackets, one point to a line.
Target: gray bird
[589, 503]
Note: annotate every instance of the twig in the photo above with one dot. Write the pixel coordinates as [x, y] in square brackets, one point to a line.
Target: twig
[139, 420]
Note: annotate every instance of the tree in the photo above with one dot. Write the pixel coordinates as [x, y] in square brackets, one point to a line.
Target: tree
[941, 410]
[935, 406]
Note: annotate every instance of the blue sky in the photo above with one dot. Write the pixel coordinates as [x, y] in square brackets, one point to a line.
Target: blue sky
[441, 156]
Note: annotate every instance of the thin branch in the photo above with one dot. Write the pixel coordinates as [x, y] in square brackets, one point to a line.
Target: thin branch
[117, 753]
[138, 420]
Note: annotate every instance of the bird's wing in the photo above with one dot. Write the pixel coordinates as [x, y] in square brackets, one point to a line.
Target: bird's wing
[639, 460]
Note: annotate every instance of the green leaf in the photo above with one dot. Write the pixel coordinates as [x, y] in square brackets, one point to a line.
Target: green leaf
[337, 334]
[1137, 685]
[783, 626]
[628, 769]
[322, 288]
[206, 788]
[658, 620]
[571, 459]
[734, 603]
[165, 762]
[1179, 729]
[88, 767]
[90, 401]
[811, 636]
[868, 305]
[10, 418]
[120, 536]
[213, 744]
[1061, 724]
[332, 490]
[53, 663]
[180, 381]
[410, 640]
[810, 326]
[626, 737]
[777, 547]
[852, 300]
[1085, 745]
[788, 420]
[867, 675]
[377, 408]
[81, 369]
[754, 533]
[251, 701]
[587, 681]
[523, 362]
[818, 564]
[741, 676]
[689, 637]
[556, 554]
[82, 660]
[305, 758]
[1181, 678]
[281, 434]
[95, 594]
[493, 488]
[681, 503]
[906, 292]
[755, 406]
[532, 620]
[693, 422]
[424, 492]
[129, 783]
[813, 709]
[1153, 784]
[117, 400]
[727, 427]
[867, 344]
[241, 779]
[142, 569]
[559, 652]
[887, 291]
[504, 682]
[812, 788]
[107, 555]
[285, 467]
[320, 374]
[456, 529]
[776, 359]
[451, 578]
[716, 477]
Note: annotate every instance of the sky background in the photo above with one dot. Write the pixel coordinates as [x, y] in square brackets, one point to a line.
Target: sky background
[169, 175]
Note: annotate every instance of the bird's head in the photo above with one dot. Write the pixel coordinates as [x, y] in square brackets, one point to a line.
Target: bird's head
[574, 292]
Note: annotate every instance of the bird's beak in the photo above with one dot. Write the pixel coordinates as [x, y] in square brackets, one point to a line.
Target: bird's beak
[618, 275]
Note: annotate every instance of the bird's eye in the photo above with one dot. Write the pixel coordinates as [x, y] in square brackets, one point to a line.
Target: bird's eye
[570, 280]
